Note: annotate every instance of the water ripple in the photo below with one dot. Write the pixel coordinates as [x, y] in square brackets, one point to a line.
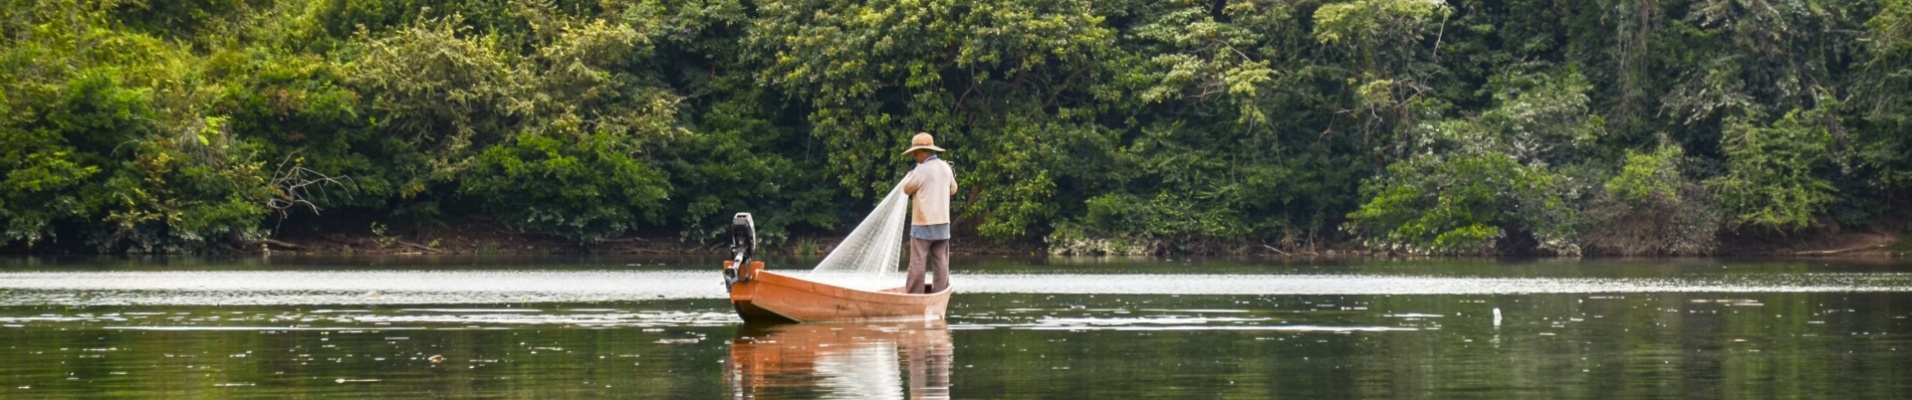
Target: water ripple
[506, 287]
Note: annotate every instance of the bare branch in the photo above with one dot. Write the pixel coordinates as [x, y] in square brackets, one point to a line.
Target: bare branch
[293, 185]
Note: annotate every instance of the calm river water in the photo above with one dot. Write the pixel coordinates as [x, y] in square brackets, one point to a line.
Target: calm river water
[659, 328]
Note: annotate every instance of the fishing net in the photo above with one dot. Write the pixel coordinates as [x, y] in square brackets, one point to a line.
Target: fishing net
[868, 258]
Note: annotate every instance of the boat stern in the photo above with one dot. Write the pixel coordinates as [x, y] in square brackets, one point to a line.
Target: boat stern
[743, 289]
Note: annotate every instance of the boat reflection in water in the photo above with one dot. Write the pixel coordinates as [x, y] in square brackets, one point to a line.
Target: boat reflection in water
[841, 360]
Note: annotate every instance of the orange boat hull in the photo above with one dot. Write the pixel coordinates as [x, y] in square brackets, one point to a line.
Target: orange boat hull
[773, 297]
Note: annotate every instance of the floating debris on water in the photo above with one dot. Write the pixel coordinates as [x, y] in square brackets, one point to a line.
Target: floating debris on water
[1412, 315]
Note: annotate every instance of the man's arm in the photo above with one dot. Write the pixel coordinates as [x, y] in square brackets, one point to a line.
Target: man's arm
[910, 183]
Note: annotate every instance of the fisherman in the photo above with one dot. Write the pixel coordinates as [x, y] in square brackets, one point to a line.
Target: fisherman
[929, 187]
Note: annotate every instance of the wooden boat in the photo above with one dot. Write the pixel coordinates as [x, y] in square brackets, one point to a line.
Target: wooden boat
[764, 296]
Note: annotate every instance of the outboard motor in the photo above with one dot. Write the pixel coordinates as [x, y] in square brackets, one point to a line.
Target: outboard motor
[743, 245]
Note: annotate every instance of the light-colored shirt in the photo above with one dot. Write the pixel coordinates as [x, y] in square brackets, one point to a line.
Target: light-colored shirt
[929, 187]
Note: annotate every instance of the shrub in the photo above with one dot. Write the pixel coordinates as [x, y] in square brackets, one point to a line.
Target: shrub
[1649, 208]
[584, 187]
[184, 193]
[1772, 178]
[1463, 205]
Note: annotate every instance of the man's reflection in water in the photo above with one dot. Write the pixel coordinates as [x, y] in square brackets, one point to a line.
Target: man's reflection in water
[930, 352]
[859, 360]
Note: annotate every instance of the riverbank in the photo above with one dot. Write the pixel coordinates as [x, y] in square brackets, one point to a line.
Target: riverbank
[482, 238]
[487, 238]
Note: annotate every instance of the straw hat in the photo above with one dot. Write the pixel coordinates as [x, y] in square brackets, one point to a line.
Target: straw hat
[922, 141]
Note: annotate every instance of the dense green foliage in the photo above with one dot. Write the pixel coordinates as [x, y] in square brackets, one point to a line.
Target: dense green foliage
[1459, 127]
